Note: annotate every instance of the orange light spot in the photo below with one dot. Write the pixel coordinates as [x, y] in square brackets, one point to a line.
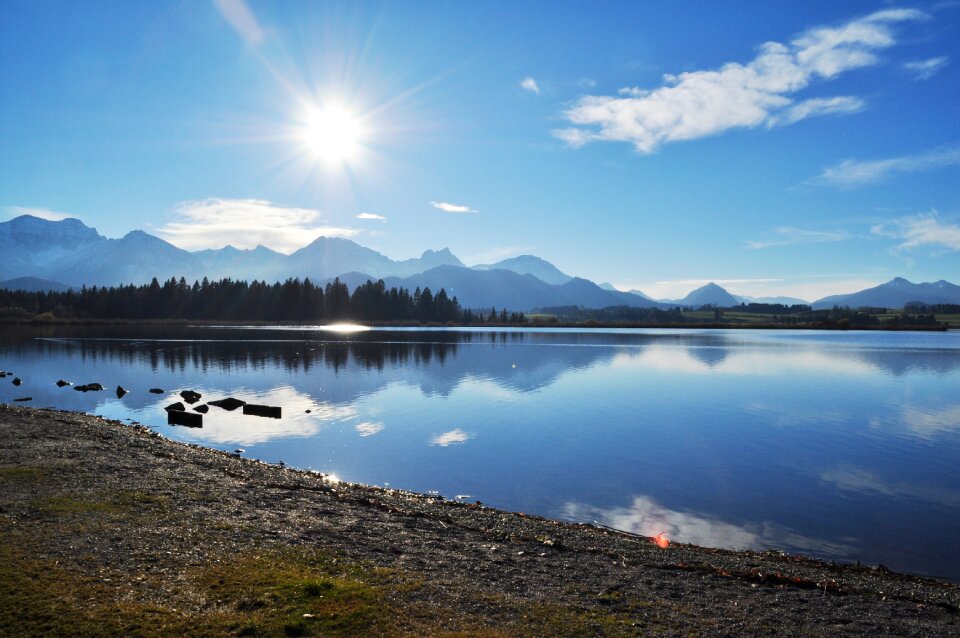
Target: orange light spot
[661, 541]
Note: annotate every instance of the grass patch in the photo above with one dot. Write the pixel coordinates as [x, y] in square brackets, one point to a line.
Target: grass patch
[21, 473]
[303, 594]
[118, 503]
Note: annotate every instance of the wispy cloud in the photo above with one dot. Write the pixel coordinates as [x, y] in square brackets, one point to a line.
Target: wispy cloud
[452, 437]
[702, 103]
[789, 236]
[43, 213]
[245, 223]
[926, 69]
[529, 84]
[241, 18]
[371, 216]
[853, 173]
[922, 230]
[447, 207]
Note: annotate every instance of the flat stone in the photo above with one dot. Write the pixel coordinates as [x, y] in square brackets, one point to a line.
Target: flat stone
[228, 404]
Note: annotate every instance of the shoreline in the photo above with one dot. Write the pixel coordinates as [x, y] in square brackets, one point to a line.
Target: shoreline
[588, 325]
[144, 526]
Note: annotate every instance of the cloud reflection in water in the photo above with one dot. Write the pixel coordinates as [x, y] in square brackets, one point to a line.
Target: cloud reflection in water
[450, 438]
[646, 517]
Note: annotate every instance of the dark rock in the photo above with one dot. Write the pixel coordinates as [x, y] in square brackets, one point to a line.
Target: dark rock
[3, 375]
[89, 387]
[268, 411]
[188, 419]
[157, 390]
[309, 411]
[121, 391]
[61, 383]
[203, 408]
[229, 403]
[190, 396]
[24, 399]
[175, 407]
[17, 381]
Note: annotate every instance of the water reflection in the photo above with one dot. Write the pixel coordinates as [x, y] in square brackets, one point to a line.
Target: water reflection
[646, 517]
[925, 422]
[450, 438]
[864, 481]
[837, 445]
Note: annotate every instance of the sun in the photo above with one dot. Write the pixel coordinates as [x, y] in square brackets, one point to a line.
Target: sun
[333, 133]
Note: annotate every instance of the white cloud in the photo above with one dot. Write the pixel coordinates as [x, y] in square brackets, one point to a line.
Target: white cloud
[917, 231]
[245, 223]
[371, 216]
[852, 173]
[241, 18]
[702, 103]
[926, 69]
[817, 106]
[529, 84]
[789, 236]
[452, 208]
[450, 438]
[42, 213]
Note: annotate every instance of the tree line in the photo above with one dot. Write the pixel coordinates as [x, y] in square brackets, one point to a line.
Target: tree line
[229, 300]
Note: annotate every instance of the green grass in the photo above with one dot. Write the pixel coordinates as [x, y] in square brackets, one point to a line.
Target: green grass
[119, 503]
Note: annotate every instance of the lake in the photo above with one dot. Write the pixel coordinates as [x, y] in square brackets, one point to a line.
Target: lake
[839, 445]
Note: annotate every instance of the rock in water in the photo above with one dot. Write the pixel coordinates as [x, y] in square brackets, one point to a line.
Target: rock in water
[121, 391]
[17, 381]
[228, 404]
[203, 408]
[89, 387]
[61, 383]
[24, 399]
[157, 390]
[268, 411]
[190, 396]
[188, 419]
[175, 407]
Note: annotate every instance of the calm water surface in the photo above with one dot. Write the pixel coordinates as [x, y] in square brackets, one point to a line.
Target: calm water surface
[837, 445]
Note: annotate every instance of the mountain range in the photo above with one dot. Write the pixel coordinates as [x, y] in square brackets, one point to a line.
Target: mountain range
[40, 254]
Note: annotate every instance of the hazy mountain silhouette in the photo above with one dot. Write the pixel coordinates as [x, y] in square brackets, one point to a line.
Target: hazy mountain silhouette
[33, 284]
[506, 289]
[896, 293]
[709, 295]
[43, 254]
[530, 265]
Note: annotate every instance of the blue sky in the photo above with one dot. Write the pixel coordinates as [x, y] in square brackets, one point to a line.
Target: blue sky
[777, 148]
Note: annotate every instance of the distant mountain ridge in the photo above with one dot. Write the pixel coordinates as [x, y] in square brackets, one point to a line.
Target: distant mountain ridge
[896, 293]
[40, 254]
[530, 265]
[708, 295]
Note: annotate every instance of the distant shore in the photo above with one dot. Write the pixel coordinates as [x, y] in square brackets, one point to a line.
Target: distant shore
[109, 529]
[941, 327]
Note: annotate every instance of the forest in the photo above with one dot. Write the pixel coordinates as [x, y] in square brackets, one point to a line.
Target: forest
[228, 300]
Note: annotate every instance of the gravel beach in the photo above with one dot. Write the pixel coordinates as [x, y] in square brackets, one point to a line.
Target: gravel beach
[109, 527]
